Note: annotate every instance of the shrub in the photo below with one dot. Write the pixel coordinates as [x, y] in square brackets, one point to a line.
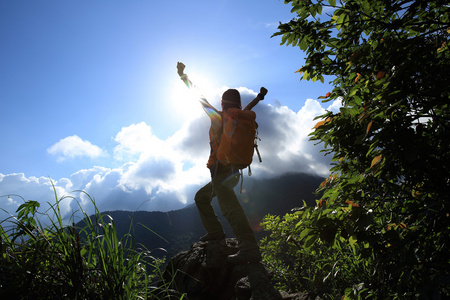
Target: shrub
[384, 213]
[60, 261]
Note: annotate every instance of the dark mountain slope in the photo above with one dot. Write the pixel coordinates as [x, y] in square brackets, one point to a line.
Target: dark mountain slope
[177, 230]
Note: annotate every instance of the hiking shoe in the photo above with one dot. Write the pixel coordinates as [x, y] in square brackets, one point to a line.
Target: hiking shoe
[212, 237]
[243, 257]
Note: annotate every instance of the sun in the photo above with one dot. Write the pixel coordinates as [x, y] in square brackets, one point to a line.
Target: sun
[185, 102]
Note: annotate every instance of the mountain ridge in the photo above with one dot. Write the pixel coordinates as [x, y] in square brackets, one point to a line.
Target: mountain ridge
[167, 233]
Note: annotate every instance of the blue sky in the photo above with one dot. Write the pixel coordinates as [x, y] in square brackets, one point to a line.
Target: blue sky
[90, 97]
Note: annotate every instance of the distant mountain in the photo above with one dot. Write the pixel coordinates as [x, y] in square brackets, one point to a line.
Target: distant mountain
[177, 230]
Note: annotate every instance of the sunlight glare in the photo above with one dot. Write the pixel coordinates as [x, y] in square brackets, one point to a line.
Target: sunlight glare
[185, 102]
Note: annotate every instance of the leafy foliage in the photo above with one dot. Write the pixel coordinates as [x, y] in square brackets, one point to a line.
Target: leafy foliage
[304, 256]
[386, 203]
[61, 261]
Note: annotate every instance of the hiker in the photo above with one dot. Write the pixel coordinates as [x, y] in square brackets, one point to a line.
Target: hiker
[224, 177]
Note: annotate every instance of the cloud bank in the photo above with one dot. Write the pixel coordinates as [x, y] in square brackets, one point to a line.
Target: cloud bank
[164, 174]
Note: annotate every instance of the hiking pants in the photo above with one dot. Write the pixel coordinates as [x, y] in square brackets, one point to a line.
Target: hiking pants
[221, 185]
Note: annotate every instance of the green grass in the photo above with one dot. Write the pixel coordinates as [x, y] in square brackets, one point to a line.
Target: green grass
[60, 261]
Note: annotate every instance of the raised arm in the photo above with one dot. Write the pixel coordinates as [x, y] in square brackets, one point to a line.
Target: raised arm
[262, 93]
[184, 77]
[207, 107]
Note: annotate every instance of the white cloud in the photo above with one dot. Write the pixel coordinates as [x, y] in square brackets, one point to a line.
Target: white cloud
[136, 139]
[73, 146]
[334, 107]
[17, 188]
[285, 145]
[164, 174]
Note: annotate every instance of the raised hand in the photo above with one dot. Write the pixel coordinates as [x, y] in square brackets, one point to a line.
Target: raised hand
[180, 68]
[263, 91]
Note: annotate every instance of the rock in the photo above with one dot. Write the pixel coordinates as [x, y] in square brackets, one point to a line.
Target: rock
[297, 296]
[203, 273]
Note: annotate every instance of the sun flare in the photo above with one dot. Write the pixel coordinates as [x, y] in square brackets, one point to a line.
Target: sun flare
[185, 101]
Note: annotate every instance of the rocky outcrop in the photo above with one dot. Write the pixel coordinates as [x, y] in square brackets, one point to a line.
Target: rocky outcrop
[203, 273]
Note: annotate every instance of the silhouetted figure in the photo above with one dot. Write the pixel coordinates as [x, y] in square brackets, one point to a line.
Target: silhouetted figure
[224, 177]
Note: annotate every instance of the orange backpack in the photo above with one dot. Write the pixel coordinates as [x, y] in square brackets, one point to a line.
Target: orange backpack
[238, 140]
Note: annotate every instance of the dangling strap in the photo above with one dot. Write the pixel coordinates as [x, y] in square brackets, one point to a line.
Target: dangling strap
[241, 173]
[257, 152]
[256, 144]
[242, 179]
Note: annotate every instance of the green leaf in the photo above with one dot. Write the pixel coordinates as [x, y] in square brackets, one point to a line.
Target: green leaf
[284, 38]
[305, 232]
[352, 240]
[319, 8]
[310, 240]
[374, 44]
[296, 8]
[305, 75]
[303, 44]
[340, 20]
